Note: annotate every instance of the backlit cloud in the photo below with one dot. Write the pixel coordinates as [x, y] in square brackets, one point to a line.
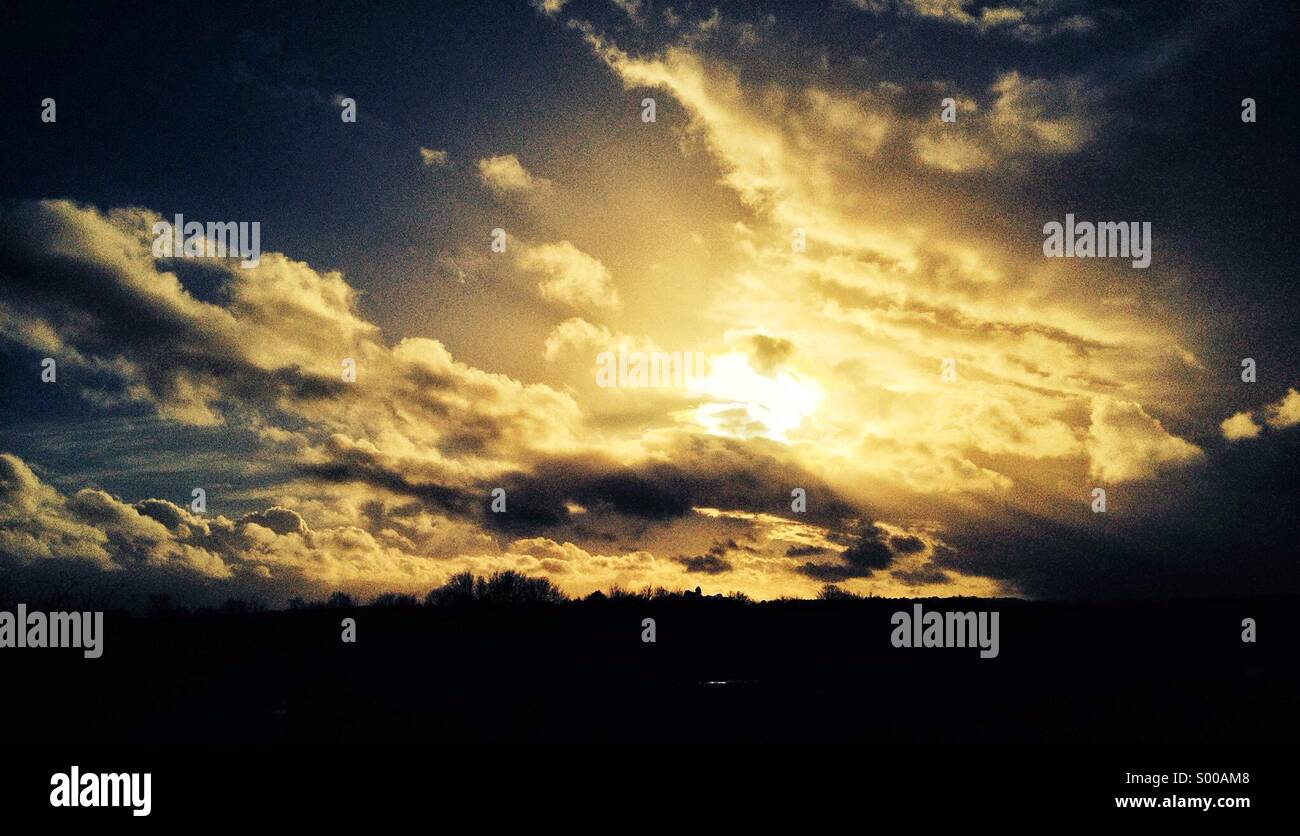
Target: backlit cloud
[505, 175]
[572, 277]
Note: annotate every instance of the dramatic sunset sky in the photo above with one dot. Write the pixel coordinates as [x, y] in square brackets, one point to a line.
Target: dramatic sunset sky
[476, 369]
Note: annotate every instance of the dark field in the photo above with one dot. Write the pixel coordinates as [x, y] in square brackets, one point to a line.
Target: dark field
[721, 671]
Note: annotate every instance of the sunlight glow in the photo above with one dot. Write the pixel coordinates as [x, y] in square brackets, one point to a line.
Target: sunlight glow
[746, 403]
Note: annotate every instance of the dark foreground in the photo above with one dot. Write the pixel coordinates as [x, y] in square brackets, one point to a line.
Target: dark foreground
[815, 672]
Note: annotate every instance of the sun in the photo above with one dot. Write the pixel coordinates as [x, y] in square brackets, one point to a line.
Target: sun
[742, 402]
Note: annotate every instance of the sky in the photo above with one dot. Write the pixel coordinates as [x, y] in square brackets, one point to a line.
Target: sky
[899, 393]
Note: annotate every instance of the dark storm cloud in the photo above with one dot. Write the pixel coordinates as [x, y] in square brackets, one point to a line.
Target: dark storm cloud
[866, 554]
[907, 544]
[355, 466]
[715, 562]
[868, 551]
[708, 564]
[1231, 527]
[921, 576]
[717, 473]
[738, 478]
[832, 572]
[712, 473]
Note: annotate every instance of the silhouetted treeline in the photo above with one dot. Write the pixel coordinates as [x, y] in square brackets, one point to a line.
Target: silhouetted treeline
[505, 588]
[465, 589]
[716, 669]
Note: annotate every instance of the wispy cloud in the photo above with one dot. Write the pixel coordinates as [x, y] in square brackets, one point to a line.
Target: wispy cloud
[505, 176]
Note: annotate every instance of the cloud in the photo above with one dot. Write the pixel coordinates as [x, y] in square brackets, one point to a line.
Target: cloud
[1025, 118]
[889, 288]
[922, 576]
[923, 254]
[1280, 415]
[951, 152]
[864, 556]
[831, 572]
[550, 8]
[86, 285]
[505, 176]
[1285, 413]
[1028, 20]
[431, 158]
[577, 333]
[767, 353]
[906, 544]
[572, 277]
[368, 479]
[1052, 389]
[38, 523]
[270, 354]
[1042, 115]
[157, 546]
[631, 8]
[868, 551]
[708, 564]
[1239, 426]
[274, 349]
[1126, 443]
